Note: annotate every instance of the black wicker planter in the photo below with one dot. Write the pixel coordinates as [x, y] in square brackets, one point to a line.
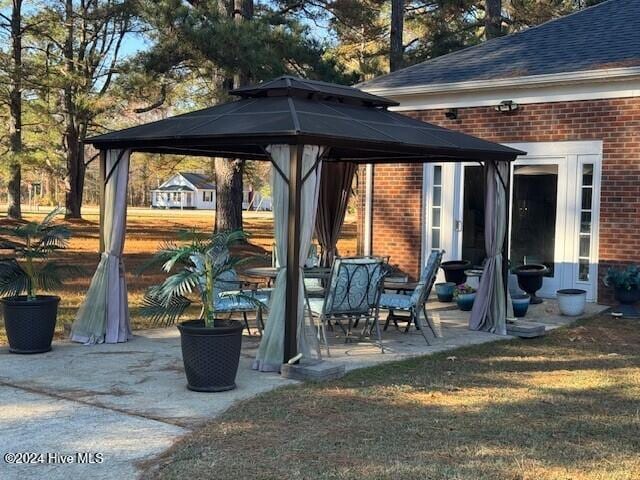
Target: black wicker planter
[30, 324]
[454, 270]
[530, 278]
[211, 355]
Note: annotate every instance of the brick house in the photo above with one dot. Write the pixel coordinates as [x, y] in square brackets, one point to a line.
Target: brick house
[568, 93]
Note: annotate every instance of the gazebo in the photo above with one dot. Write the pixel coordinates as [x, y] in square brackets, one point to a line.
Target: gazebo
[303, 128]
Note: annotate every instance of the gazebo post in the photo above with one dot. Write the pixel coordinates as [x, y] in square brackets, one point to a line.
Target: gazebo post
[102, 174]
[505, 244]
[293, 254]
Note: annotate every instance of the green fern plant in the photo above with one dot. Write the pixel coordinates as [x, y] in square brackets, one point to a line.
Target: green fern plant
[29, 269]
[200, 260]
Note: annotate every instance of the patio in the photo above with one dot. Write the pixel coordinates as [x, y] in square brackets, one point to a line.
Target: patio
[142, 392]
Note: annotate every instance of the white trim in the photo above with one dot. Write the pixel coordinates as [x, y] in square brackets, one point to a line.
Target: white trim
[606, 74]
[540, 152]
[522, 96]
[368, 209]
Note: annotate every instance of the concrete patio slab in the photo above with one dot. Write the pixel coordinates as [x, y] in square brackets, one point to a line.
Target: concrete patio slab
[130, 402]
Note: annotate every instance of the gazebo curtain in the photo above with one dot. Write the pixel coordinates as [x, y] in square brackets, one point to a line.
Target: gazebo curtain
[335, 190]
[104, 314]
[271, 350]
[489, 309]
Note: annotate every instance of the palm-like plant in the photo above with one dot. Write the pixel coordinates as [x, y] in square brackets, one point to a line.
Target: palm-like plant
[30, 270]
[202, 259]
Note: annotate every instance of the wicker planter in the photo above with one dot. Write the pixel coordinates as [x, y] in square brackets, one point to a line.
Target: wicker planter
[211, 354]
[30, 324]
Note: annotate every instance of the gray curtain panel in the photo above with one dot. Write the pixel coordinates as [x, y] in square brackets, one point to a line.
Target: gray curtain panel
[335, 191]
[489, 309]
[271, 350]
[104, 314]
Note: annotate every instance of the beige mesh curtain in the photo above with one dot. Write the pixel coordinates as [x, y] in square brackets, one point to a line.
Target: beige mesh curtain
[489, 309]
[335, 191]
[104, 314]
[271, 350]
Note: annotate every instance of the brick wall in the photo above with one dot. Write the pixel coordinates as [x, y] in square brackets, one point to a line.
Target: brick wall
[397, 218]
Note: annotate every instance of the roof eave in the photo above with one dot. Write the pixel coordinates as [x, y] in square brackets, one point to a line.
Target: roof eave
[580, 76]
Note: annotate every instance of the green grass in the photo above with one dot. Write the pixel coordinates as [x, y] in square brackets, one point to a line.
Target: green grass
[563, 407]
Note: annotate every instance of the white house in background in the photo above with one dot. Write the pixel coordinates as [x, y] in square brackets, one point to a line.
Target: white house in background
[195, 191]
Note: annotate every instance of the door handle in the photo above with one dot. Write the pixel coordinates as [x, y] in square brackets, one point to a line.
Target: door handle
[458, 225]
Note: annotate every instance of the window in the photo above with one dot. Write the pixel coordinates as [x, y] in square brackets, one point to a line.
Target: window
[584, 236]
[436, 207]
[207, 196]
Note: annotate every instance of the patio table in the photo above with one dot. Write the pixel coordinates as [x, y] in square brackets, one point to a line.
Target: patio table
[400, 287]
[272, 272]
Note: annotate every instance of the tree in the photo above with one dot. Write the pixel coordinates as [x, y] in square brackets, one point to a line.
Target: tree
[493, 19]
[224, 45]
[396, 47]
[13, 24]
[84, 40]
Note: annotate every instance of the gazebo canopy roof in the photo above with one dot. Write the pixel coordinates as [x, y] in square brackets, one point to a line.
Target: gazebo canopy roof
[356, 125]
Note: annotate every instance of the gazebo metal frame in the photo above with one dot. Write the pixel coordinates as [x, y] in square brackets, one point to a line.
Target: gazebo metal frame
[352, 125]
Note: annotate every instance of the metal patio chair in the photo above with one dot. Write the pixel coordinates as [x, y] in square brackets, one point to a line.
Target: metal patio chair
[231, 295]
[353, 294]
[415, 303]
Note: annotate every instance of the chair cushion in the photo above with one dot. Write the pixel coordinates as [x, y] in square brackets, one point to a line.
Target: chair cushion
[395, 301]
[228, 301]
[316, 305]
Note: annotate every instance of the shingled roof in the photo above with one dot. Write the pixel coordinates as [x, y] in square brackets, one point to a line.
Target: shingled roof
[606, 35]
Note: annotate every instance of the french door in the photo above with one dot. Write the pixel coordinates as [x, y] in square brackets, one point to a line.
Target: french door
[553, 216]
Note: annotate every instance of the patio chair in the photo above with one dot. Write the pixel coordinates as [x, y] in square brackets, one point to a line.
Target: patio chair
[415, 303]
[231, 296]
[353, 294]
[313, 286]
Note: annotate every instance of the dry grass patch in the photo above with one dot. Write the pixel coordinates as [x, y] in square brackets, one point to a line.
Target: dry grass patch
[563, 407]
[146, 229]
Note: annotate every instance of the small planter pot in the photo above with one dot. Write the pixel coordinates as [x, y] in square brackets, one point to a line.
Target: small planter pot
[444, 291]
[520, 304]
[572, 301]
[30, 323]
[465, 301]
[211, 354]
[530, 278]
[454, 271]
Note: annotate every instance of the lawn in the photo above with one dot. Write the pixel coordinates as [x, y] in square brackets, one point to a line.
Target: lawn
[146, 229]
[563, 407]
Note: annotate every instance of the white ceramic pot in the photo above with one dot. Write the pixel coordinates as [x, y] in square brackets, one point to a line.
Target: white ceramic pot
[572, 301]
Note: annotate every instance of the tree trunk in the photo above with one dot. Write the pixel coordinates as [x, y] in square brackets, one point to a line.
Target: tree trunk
[493, 19]
[228, 194]
[229, 172]
[15, 107]
[74, 181]
[396, 50]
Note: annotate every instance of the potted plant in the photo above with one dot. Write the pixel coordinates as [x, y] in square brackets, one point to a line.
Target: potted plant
[454, 271]
[464, 296]
[29, 317]
[444, 291]
[530, 278]
[572, 301]
[210, 345]
[626, 287]
[520, 304]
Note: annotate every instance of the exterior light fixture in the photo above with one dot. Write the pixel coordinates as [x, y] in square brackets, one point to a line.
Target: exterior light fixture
[451, 113]
[506, 106]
